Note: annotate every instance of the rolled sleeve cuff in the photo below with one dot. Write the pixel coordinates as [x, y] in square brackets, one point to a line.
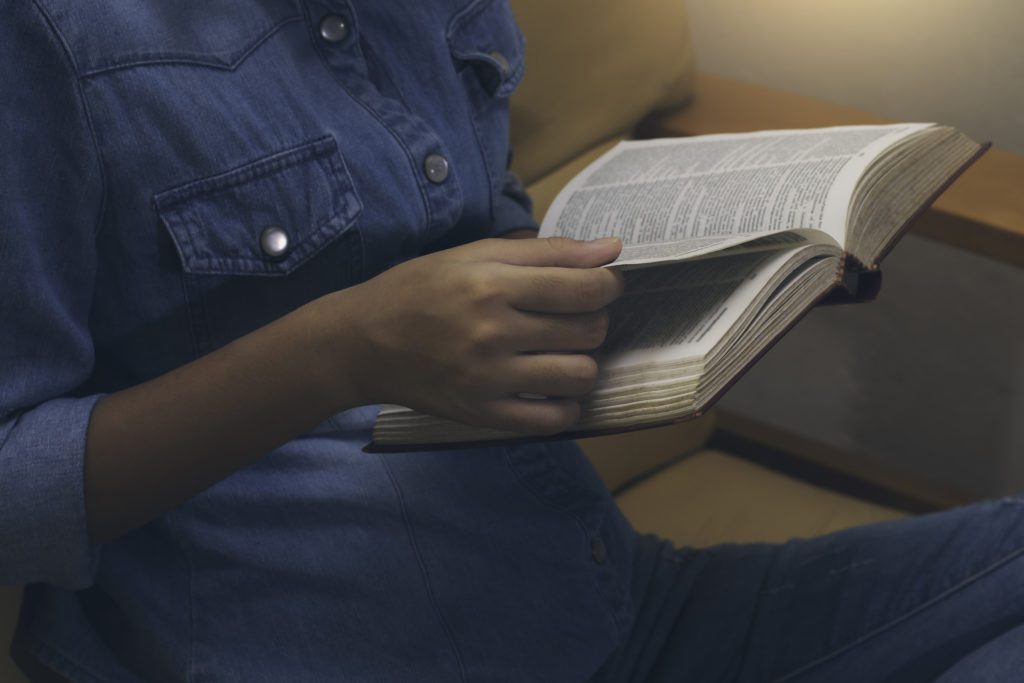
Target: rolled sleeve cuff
[42, 495]
[513, 208]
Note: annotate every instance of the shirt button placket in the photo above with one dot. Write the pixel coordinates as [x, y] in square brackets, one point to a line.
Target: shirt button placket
[335, 24]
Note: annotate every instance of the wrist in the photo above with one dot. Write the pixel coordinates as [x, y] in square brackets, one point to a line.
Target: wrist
[328, 328]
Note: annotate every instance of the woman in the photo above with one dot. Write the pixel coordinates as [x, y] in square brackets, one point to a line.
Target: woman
[227, 233]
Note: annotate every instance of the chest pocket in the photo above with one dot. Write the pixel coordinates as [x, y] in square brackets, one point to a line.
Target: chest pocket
[488, 50]
[257, 241]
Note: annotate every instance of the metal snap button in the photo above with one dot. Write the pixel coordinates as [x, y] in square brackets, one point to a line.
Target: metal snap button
[334, 28]
[274, 242]
[435, 167]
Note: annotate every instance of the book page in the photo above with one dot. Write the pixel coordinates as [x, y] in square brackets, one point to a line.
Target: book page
[682, 310]
[678, 198]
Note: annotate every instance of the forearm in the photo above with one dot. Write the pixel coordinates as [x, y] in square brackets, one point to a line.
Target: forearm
[455, 333]
[155, 445]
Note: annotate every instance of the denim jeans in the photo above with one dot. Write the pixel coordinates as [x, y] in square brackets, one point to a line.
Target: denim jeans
[933, 598]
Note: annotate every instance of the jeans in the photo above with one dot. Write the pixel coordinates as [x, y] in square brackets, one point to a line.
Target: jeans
[932, 598]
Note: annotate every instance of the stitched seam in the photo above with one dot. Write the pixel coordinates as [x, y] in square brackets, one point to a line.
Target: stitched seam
[895, 622]
[372, 112]
[411, 535]
[474, 115]
[231, 265]
[186, 236]
[579, 522]
[465, 14]
[187, 59]
[100, 160]
[272, 163]
[511, 81]
[345, 208]
[748, 637]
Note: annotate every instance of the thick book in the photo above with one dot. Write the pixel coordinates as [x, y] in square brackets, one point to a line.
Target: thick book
[727, 241]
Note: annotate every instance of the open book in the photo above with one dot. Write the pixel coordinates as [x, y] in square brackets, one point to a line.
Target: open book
[727, 241]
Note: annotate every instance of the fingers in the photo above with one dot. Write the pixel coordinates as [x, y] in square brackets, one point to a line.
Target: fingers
[547, 332]
[551, 375]
[562, 290]
[521, 234]
[533, 416]
[550, 251]
[539, 394]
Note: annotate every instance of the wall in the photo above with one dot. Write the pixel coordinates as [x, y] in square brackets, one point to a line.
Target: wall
[930, 377]
[959, 62]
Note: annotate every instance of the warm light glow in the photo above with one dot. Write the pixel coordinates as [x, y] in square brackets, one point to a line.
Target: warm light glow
[956, 61]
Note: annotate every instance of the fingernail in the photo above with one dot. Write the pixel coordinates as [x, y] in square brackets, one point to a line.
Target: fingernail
[605, 240]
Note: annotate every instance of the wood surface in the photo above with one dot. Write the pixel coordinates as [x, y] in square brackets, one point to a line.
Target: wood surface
[982, 212]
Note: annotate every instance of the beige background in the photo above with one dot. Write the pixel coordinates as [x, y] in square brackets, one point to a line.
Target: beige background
[959, 62]
[930, 377]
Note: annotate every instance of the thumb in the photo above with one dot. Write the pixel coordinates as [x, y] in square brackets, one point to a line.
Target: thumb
[557, 252]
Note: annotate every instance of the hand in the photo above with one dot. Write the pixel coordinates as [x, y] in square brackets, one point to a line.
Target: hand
[463, 333]
[520, 234]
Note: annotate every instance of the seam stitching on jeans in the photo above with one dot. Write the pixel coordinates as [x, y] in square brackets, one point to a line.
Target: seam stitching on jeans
[575, 518]
[748, 637]
[424, 572]
[895, 622]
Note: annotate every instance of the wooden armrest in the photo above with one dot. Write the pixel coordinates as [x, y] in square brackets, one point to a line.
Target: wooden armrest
[982, 212]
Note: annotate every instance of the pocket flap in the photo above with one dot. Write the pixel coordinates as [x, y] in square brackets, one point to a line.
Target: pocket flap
[485, 35]
[302, 196]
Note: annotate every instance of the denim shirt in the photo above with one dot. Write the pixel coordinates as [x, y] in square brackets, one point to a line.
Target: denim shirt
[156, 156]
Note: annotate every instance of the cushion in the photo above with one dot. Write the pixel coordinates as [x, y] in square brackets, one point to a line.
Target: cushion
[714, 497]
[544, 189]
[594, 68]
[622, 458]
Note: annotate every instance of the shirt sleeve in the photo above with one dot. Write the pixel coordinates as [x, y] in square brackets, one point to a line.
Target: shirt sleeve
[513, 208]
[51, 197]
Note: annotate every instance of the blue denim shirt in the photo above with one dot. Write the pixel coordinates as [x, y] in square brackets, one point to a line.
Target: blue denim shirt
[146, 146]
